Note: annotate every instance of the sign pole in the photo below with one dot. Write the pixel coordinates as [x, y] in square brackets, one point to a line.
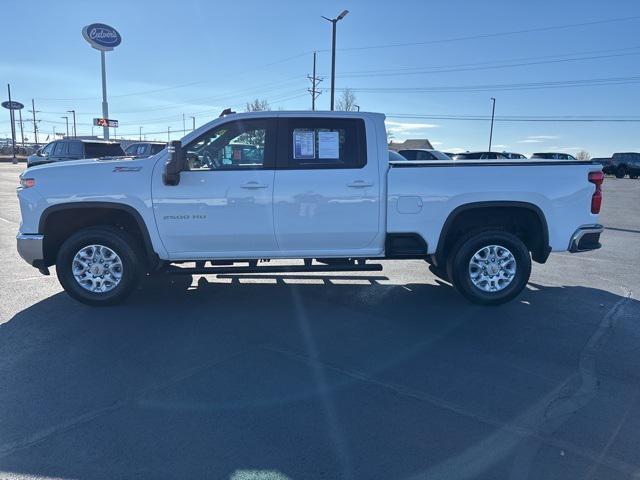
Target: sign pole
[21, 128]
[13, 126]
[105, 105]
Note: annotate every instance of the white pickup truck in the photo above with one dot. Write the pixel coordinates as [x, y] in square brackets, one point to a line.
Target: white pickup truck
[317, 186]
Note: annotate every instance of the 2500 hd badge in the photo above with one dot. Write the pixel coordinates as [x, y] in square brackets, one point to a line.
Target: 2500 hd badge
[184, 217]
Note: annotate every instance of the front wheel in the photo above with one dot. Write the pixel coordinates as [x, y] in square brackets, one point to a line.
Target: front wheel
[98, 265]
[620, 171]
[490, 267]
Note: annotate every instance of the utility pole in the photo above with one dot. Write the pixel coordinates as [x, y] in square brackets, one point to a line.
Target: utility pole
[493, 112]
[314, 84]
[35, 125]
[334, 21]
[194, 123]
[140, 136]
[184, 128]
[168, 134]
[66, 119]
[13, 126]
[74, 122]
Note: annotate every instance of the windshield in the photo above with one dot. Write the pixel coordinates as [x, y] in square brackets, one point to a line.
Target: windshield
[99, 150]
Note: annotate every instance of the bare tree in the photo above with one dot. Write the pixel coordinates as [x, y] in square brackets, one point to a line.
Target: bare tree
[583, 155]
[347, 101]
[257, 106]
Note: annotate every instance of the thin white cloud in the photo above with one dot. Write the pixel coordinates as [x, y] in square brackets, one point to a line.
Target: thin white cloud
[436, 144]
[405, 127]
[530, 140]
[544, 137]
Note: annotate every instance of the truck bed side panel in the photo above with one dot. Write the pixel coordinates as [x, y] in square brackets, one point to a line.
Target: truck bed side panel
[428, 194]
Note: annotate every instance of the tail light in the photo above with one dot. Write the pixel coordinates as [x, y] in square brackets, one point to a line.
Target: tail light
[596, 199]
[27, 182]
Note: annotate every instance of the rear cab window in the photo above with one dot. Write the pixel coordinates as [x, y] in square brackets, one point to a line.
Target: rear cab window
[308, 143]
[99, 150]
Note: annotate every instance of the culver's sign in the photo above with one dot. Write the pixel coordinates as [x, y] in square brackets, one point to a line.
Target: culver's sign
[101, 36]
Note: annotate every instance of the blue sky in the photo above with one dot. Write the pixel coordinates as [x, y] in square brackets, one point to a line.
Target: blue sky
[196, 57]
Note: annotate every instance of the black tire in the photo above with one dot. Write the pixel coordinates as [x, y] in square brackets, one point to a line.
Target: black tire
[440, 272]
[620, 171]
[115, 239]
[633, 175]
[462, 253]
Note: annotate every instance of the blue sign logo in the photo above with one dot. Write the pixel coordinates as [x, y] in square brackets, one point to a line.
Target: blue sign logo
[101, 36]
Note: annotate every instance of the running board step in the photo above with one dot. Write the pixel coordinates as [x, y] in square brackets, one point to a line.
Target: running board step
[368, 267]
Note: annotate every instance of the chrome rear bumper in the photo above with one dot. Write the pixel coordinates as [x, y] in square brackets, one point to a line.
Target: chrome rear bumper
[586, 238]
[30, 248]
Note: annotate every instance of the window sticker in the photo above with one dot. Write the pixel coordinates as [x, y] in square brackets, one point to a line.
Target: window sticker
[304, 145]
[329, 145]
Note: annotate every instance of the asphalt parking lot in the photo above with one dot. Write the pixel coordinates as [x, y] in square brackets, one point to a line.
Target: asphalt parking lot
[385, 376]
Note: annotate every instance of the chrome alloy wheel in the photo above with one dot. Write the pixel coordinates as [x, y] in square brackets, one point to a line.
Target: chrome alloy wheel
[492, 268]
[97, 268]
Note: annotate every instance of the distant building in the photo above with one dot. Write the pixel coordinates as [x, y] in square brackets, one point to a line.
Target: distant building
[410, 144]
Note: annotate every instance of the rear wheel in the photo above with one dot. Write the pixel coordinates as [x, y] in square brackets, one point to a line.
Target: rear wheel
[490, 267]
[98, 265]
[620, 171]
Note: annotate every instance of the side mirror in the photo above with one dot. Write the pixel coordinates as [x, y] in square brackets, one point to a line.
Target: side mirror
[175, 164]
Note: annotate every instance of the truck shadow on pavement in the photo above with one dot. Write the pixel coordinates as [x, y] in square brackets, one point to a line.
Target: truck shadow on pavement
[293, 379]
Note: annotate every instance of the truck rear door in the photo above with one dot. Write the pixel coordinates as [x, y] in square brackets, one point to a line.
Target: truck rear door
[327, 188]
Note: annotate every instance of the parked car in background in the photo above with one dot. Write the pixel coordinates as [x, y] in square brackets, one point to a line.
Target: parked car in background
[626, 164]
[144, 149]
[423, 154]
[606, 162]
[479, 156]
[514, 156]
[552, 156]
[396, 157]
[74, 149]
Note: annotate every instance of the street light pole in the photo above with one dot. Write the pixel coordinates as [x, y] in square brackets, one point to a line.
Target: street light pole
[334, 21]
[140, 137]
[168, 134]
[74, 122]
[194, 123]
[66, 119]
[493, 112]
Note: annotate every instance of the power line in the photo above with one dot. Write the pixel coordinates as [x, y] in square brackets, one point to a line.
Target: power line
[478, 66]
[491, 35]
[505, 86]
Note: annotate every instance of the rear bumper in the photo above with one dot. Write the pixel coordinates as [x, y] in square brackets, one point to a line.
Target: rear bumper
[586, 238]
[30, 248]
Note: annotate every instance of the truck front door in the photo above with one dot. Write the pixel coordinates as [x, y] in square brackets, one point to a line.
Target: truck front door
[222, 206]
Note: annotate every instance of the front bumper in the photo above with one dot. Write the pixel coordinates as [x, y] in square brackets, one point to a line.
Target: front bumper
[586, 238]
[30, 248]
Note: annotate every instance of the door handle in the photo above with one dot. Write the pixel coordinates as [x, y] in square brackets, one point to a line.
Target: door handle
[253, 185]
[359, 184]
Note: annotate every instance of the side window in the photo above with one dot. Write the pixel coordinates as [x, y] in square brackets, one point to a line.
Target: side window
[425, 156]
[322, 143]
[130, 150]
[60, 149]
[49, 148]
[156, 149]
[237, 145]
[75, 149]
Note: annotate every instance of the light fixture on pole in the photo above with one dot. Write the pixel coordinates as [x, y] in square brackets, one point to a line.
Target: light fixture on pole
[493, 112]
[334, 21]
[74, 122]
[104, 38]
[66, 119]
